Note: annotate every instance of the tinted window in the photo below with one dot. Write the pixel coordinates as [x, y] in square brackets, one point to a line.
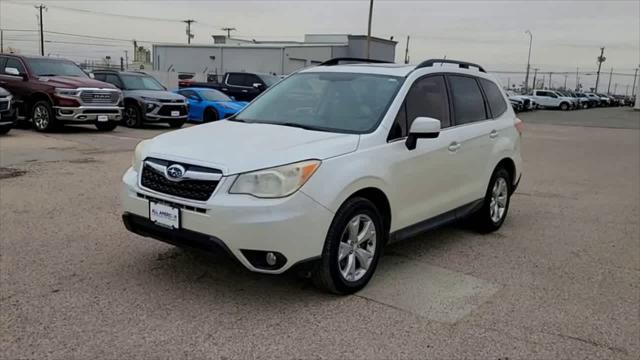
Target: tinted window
[214, 95]
[189, 94]
[251, 79]
[236, 79]
[468, 103]
[3, 60]
[15, 63]
[496, 101]
[428, 97]
[112, 79]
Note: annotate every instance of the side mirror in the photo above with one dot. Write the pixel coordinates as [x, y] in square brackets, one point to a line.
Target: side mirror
[422, 128]
[257, 85]
[91, 75]
[13, 71]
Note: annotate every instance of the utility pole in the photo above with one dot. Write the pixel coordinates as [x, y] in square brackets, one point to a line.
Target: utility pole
[565, 81]
[600, 59]
[550, 73]
[577, 79]
[228, 30]
[189, 34]
[121, 63]
[535, 74]
[609, 87]
[369, 30]
[126, 59]
[1, 42]
[633, 89]
[41, 7]
[526, 79]
[406, 52]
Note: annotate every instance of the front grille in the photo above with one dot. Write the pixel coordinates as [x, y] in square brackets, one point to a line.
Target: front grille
[189, 189]
[99, 97]
[4, 105]
[166, 110]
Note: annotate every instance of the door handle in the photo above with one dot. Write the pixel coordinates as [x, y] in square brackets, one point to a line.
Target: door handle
[493, 134]
[244, 91]
[454, 146]
[224, 89]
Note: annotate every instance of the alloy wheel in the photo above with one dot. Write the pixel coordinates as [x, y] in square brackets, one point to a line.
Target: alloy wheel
[357, 248]
[131, 117]
[499, 195]
[40, 117]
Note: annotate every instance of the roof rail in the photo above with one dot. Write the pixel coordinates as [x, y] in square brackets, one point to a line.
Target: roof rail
[461, 64]
[337, 61]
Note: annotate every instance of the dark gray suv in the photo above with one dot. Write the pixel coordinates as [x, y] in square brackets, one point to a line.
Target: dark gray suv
[145, 99]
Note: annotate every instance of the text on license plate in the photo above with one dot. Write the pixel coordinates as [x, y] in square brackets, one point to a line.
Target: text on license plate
[166, 215]
[103, 118]
[175, 113]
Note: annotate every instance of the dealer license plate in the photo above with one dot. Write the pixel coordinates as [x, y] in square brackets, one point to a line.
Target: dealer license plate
[165, 215]
[175, 113]
[103, 118]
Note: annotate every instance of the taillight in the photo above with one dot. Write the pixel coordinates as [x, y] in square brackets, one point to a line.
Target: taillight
[519, 126]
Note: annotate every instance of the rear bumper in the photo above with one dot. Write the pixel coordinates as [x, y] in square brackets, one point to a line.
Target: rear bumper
[87, 113]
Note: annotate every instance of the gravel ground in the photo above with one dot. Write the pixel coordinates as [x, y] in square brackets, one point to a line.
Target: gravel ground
[560, 280]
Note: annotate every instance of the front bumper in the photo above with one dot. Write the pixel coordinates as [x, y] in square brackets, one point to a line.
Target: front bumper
[295, 226]
[87, 113]
[162, 112]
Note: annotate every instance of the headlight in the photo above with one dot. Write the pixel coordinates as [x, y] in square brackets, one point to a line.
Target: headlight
[276, 182]
[136, 162]
[68, 92]
[149, 99]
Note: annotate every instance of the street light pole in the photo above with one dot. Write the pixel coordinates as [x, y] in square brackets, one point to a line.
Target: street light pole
[369, 30]
[526, 79]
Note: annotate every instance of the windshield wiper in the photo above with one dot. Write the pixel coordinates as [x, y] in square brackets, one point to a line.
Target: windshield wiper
[47, 74]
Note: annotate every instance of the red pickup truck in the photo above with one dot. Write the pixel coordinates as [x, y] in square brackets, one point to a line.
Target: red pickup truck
[51, 92]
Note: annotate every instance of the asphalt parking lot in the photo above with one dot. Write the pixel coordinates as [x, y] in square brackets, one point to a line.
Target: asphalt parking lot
[560, 280]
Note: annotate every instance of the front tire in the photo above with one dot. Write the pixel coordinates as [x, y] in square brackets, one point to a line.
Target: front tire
[132, 116]
[210, 114]
[352, 248]
[176, 124]
[496, 202]
[564, 106]
[5, 129]
[42, 116]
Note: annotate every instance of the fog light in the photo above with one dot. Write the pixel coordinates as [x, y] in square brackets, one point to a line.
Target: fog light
[271, 259]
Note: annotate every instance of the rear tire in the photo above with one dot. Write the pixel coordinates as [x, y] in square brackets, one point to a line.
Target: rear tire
[106, 126]
[42, 116]
[564, 106]
[176, 124]
[352, 248]
[210, 114]
[5, 129]
[496, 202]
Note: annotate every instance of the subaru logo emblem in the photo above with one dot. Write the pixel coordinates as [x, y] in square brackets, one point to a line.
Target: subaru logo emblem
[175, 172]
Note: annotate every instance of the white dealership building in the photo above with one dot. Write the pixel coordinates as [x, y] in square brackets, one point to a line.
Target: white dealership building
[274, 57]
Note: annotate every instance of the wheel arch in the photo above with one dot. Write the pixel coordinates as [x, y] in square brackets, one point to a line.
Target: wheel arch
[508, 164]
[379, 199]
[35, 97]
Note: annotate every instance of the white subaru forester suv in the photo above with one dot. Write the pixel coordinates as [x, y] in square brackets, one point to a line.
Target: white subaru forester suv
[329, 165]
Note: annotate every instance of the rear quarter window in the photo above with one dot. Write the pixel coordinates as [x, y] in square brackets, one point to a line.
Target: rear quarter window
[494, 96]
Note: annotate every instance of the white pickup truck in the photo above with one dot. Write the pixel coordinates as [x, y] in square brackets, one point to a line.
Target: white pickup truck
[552, 99]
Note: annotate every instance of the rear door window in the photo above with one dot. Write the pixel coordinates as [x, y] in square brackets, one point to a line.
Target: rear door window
[468, 103]
[494, 97]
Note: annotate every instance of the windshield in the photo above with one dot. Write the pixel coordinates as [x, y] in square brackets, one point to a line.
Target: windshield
[338, 102]
[140, 82]
[214, 95]
[269, 79]
[46, 67]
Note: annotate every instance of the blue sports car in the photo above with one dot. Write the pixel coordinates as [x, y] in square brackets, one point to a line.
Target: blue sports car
[207, 105]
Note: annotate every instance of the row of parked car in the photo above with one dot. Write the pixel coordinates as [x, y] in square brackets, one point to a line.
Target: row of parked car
[565, 100]
[51, 92]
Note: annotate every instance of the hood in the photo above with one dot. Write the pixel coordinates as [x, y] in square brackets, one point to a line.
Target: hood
[519, 97]
[235, 147]
[154, 94]
[74, 82]
[4, 92]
